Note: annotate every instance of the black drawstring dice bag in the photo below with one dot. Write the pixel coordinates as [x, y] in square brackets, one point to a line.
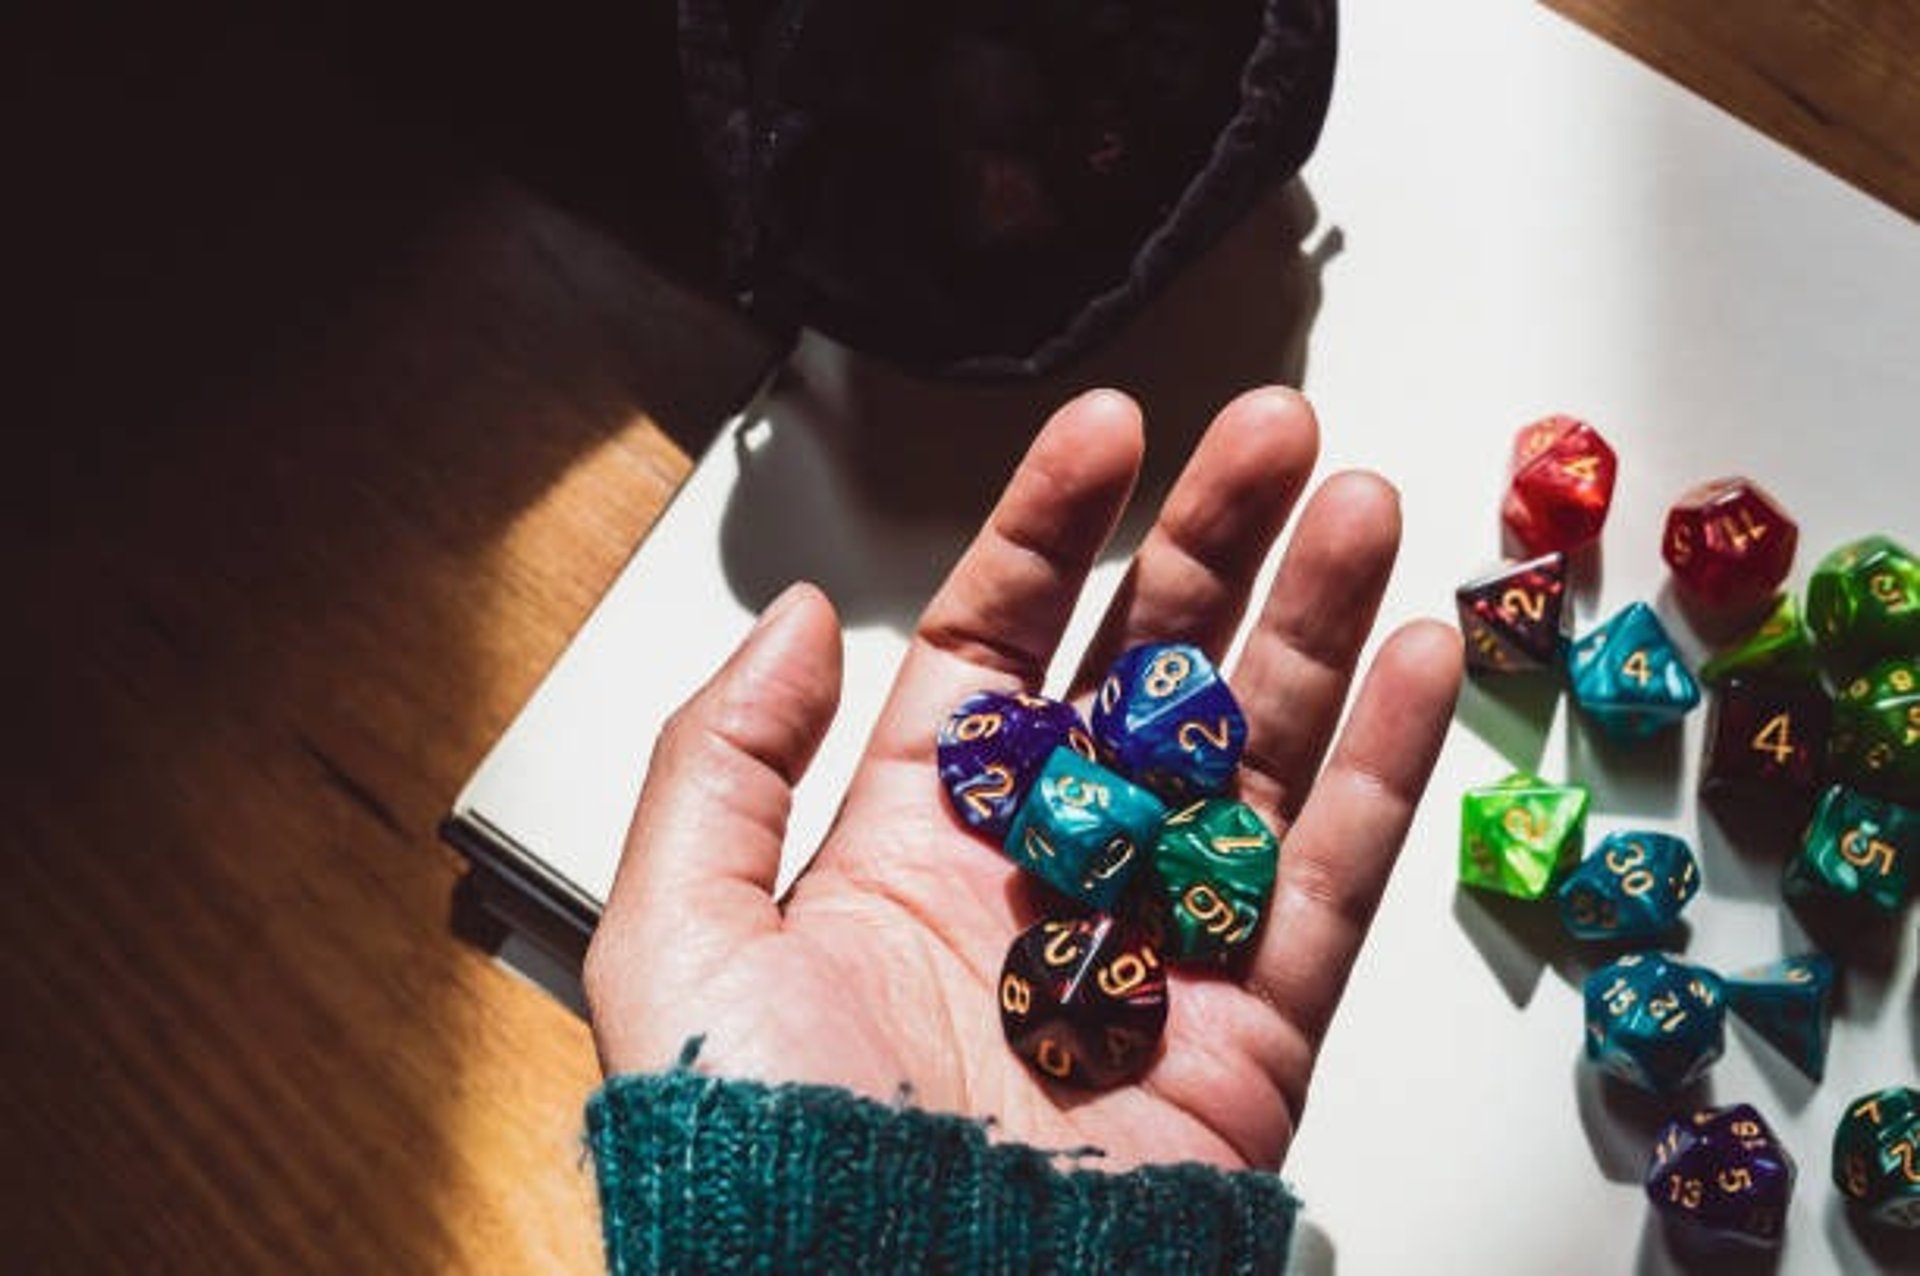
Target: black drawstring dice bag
[985, 189]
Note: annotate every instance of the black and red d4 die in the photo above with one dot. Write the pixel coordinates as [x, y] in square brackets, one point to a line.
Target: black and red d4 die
[1084, 1000]
[1513, 617]
[1766, 739]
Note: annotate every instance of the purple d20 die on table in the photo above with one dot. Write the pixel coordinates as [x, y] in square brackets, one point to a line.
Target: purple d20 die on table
[1165, 719]
[993, 745]
[1720, 1175]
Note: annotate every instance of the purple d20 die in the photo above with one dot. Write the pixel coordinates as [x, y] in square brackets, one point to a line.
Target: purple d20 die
[1720, 1175]
[993, 745]
[1165, 719]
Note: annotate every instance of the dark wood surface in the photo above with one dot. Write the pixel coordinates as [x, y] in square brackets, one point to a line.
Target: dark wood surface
[324, 437]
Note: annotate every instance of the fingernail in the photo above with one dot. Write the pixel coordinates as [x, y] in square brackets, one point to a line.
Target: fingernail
[785, 602]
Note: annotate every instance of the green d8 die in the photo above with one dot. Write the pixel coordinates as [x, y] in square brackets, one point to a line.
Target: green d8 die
[1876, 730]
[1521, 835]
[1214, 863]
[1864, 601]
[1083, 829]
[1857, 848]
[1876, 1155]
[1780, 648]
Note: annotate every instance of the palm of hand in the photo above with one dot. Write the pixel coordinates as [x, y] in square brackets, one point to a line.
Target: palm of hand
[880, 970]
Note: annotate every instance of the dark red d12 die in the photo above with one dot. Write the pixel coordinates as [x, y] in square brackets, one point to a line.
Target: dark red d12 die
[1512, 617]
[1729, 543]
[1561, 486]
[1083, 1000]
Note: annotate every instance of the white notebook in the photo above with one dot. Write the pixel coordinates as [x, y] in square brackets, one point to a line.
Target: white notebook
[1512, 219]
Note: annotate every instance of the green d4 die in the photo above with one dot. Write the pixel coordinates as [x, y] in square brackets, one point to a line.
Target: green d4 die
[1214, 865]
[1857, 848]
[1520, 836]
[1864, 601]
[1781, 647]
[1875, 744]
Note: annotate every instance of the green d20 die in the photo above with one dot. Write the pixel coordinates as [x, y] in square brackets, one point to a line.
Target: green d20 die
[1858, 849]
[1876, 1155]
[1521, 835]
[1781, 647]
[1213, 865]
[1864, 601]
[1790, 1003]
[1876, 730]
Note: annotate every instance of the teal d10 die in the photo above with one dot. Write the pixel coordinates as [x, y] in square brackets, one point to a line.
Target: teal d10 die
[1213, 866]
[1083, 829]
[1876, 1156]
[1654, 1022]
[1858, 849]
[1790, 1003]
[1630, 889]
[1629, 679]
[1520, 836]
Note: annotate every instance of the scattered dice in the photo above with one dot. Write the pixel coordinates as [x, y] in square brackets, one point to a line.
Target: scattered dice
[1083, 1000]
[1165, 718]
[1631, 889]
[993, 745]
[1876, 730]
[1790, 1003]
[1561, 485]
[1779, 647]
[1864, 601]
[1858, 850]
[1729, 543]
[1876, 1156]
[1513, 618]
[1518, 837]
[1083, 829]
[1214, 865]
[1628, 677]
[1720, 1175]
[1766, 739]
[1654, 1021]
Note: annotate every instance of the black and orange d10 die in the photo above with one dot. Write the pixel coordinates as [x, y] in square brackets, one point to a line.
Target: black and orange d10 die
[1084, 1000]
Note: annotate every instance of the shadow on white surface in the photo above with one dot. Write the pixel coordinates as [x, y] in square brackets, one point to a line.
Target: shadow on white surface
[1636, 781]
[1792, 1089]
[1856, 1242]
[1513, 713]
[1621, 1122]
[1312, 1253]
[1743, 849]
[1518, 939]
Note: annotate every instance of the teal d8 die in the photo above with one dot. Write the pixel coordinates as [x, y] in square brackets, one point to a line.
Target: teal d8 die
[1654, 1022]
[1083, 829]
[1790, 1003]
[1875, 743]
[1629, 679]
[1631, 889]
[1858, 850]
[1876, 1156]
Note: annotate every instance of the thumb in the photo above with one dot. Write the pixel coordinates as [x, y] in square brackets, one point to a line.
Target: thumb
[696, 875]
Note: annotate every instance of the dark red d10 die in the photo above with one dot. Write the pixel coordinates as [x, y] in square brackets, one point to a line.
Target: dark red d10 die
[1562, 485]
[1729, 543]
[1767, 739]
[1512, 617]
[1084, 1000]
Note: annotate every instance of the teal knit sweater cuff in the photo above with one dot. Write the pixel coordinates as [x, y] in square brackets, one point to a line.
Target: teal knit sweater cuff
[700, 1173]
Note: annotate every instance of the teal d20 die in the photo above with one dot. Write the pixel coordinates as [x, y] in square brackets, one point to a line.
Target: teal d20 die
[1083, 829]
[1654, 1022]
[1876, 1156]
[1790, 1003]
[1520, 836]
[1628, 677]
[1631, 889]
[1858, 850]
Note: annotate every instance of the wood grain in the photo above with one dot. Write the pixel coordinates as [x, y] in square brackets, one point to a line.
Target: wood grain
[324, 440]
[1836, 80]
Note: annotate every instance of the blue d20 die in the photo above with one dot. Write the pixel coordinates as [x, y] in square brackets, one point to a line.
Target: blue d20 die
[992, 746]
[1628, 677]
[1630, 889]
[1165, 718]
[1790, 1003]
[1083, 829]
[1721, 1175]
[1654, 1022]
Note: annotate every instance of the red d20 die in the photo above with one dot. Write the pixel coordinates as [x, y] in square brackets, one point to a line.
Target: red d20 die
[1562, 485]
[1729, 543]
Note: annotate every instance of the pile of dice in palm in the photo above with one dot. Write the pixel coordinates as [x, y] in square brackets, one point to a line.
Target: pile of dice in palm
[1816, 715]
[1129, 818]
